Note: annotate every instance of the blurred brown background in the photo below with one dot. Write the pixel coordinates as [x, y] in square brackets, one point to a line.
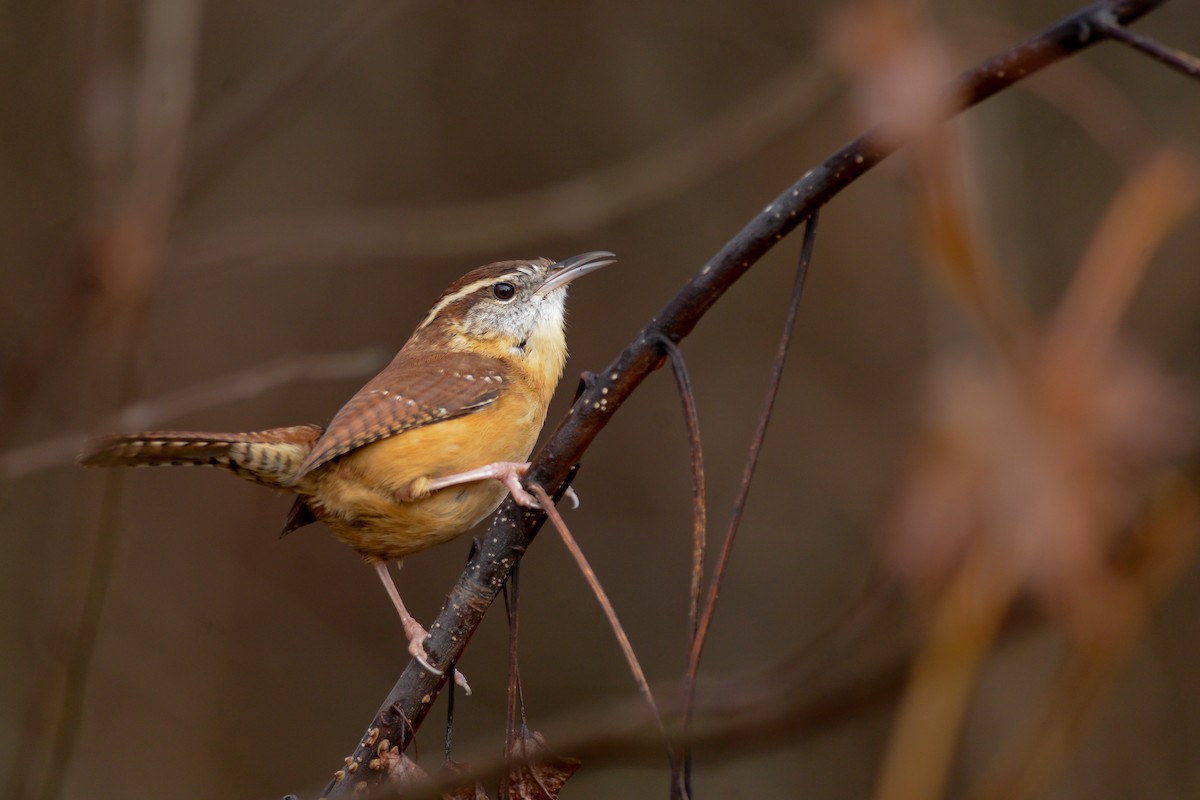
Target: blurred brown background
[340, 164]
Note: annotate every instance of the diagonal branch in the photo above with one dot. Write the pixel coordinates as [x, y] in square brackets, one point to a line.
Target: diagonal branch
[512, 529]
[1175, 59]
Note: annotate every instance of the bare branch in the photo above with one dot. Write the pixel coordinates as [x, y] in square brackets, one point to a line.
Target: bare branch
[1175, 59]
[257, 104]
[512, 530]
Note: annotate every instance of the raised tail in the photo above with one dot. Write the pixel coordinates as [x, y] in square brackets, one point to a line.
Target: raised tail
[269, 457]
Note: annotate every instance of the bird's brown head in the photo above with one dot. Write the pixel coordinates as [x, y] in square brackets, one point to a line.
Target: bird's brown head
[512, 310]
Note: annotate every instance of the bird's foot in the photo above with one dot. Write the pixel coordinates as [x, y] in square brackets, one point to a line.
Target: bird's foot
[413, 631]
[416, 643]
[510, 473]
[521, 496]
[416, 648]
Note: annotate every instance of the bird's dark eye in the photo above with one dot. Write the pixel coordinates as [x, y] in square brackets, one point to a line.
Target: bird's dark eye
[504, 291]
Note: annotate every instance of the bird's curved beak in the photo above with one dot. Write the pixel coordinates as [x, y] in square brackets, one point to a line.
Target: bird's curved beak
[571, 268]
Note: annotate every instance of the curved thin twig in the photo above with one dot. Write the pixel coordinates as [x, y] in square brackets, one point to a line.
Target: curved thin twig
[257, 103]
[681, 779]
[687, 397]
[756, 443]
[244, 384]
[639, 675]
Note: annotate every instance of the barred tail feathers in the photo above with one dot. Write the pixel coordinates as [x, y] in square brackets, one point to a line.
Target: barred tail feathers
[269, 457]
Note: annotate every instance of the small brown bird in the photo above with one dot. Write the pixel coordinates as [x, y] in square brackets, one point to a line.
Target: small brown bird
[430, 445]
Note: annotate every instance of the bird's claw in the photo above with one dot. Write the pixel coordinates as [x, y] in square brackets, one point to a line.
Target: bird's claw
[522, 497]
[460, 681]
[416, 648]
[422, 658]
[416, 644]
[570, 494]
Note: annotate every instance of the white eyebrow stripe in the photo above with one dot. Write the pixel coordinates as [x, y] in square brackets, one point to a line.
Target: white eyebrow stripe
[459, 295]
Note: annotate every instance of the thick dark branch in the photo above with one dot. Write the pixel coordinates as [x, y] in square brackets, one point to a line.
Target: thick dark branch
[512, 529]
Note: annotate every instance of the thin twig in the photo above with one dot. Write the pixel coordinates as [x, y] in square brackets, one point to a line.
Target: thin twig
[1175, 59]
[858, 672]
[756, 443]
[1099, 108]
[244, 384]
[691, 419]
[681, 781]
[639, 676]
[512, 596]
[448, 740]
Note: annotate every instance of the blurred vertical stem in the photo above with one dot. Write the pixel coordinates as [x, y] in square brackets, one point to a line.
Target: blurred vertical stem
[965, 621]
[124, 246]
[1165, 540]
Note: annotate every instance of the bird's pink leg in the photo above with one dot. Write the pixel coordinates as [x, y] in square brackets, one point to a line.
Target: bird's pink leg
[412, 629]
[507, 472]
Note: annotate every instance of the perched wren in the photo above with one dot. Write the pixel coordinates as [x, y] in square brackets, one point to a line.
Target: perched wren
[431, 444]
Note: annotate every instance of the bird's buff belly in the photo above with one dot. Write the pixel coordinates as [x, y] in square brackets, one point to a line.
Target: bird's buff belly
[373, 499]
[382, 529]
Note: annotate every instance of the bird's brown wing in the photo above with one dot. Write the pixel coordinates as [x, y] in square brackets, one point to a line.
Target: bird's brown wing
[409, 393]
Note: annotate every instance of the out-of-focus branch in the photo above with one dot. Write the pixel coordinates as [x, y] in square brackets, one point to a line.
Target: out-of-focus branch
[1083, 94]
[242, 385]
[1165, 541]
[132, 205]
[855, 668]
[336, 236]
[257, 104]
[214, 141]
[512, 530]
